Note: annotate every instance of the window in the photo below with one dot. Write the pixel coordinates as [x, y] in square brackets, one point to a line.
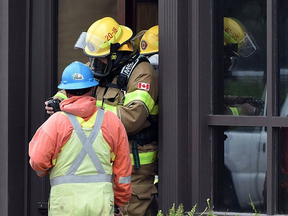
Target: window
[250, 107]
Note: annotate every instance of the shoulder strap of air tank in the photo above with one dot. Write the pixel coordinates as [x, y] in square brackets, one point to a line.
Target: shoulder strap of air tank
[128, 69]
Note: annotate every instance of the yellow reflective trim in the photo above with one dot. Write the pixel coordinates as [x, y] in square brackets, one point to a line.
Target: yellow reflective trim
[99, 103]
[234, 111]
[156, 179]
[154, 110]
[107, 43]
[60, 95]
[146, 158]
[228, 37]
[53, 162]
[107, 107]
[112, 155]
[141, 95]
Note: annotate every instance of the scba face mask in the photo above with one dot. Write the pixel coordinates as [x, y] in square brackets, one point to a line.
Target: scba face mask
[98, 67]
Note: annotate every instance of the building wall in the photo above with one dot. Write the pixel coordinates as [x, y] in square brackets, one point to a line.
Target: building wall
[13, 155]
[34, 51]
[74, 19]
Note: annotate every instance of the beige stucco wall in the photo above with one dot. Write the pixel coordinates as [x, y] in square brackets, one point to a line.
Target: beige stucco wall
[74, 18]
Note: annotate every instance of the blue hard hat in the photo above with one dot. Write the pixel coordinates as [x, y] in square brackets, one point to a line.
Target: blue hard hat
[77, 76]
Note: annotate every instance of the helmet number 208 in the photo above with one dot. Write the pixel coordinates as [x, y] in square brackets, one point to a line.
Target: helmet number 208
[111, 34]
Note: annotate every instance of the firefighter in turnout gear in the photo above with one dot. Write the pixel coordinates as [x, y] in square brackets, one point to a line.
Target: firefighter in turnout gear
[147, 42]
[128, 87]
[149, 46]
[238, 43]
[85, 149]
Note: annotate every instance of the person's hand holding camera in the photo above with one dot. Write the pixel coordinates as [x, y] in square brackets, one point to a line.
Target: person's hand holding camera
[52, 105]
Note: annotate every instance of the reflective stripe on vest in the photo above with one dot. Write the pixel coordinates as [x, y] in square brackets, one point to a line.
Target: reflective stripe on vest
[60, 95]
[70, 176]
[146, 158]
[140, 95]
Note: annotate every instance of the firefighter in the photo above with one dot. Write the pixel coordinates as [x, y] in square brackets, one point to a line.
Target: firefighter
[128, 87]
[85, 150]
[238, 43]
[149, 46]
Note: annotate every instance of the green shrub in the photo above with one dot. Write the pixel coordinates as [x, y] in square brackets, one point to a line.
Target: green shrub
[180, 210]
[208, 210]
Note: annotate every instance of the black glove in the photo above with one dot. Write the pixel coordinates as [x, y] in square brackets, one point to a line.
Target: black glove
[255, 102]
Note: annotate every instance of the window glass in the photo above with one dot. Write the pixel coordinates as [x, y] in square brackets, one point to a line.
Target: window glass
[243, 69]
[240, 90]
[241, 169]
[283, 57]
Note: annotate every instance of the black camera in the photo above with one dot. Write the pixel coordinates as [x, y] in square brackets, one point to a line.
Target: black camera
[54, 103]
[116, 209]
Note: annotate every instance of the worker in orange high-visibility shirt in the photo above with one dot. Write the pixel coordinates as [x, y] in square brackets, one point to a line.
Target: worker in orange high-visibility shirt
[86, 151]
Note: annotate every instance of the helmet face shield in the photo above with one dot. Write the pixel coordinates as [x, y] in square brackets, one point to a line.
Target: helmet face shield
[91, 44]
[247, 46]
[236, 33]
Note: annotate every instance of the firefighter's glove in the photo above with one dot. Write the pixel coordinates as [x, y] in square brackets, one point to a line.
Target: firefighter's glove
[248, 109]
[253, 106]
[258, 104]
[233, 100]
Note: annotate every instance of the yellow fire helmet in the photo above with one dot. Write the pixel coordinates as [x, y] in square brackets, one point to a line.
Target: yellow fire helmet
[235, 33]
[104, 37]
[149, 43]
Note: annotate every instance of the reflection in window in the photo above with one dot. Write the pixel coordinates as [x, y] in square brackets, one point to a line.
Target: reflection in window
[244, 62]
[241, 167]
[283, 57]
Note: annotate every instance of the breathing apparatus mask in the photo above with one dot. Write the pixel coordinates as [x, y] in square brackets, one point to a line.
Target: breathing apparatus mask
[97, 66]
[112, 64]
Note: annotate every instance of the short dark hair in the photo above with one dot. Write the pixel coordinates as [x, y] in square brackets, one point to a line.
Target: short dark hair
[78, 92]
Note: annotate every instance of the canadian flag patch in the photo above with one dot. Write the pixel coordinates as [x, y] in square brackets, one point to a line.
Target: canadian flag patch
[143, 86]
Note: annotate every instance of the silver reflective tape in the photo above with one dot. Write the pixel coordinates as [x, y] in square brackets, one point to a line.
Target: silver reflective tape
[125, 180]
[80, 179]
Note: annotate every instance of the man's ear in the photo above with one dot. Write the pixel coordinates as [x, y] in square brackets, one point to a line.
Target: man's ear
[67, 94]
